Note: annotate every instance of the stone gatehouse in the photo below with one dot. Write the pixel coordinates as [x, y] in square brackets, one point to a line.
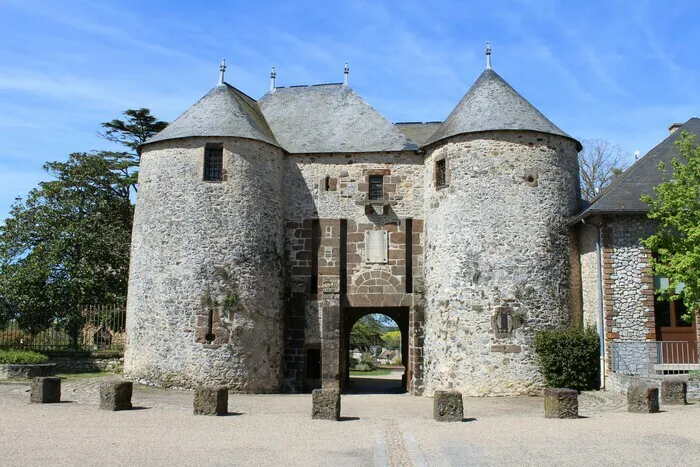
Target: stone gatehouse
[265, 229]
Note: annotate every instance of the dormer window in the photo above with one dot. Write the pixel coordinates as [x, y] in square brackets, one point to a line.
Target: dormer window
[214, 162]
[376, 187]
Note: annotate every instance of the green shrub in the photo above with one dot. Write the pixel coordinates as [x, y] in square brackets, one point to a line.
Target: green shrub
[569, 358]
[364, 366]
[694, 375]
[20, 357]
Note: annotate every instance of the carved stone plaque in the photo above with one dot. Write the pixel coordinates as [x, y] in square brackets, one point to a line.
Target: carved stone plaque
[376, 246]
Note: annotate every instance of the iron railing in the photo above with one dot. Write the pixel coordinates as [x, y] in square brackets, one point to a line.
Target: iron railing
[93, 327]
[654, 358]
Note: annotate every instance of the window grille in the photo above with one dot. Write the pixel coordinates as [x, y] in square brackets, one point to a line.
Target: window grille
[213, 163]
[440, 173]
[376, 187]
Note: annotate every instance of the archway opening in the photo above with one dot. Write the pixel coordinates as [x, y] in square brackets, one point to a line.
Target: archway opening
[376, 350]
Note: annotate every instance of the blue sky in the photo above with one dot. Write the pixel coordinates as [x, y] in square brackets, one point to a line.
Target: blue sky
[614, 70]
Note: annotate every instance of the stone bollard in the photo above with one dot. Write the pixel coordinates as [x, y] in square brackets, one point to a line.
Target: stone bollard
[211, 400]
[674, 392]
[560, 403]
[46, 390]
[116, 395]
[448, 406]
[642, 398]
[325, 404]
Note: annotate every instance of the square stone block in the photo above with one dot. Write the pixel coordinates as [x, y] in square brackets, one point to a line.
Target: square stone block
[46, 390]
[642, 398]
[211, 400]
[560, 403]
[674, 392]
[448, 406]
[116, 395]
[325, 404]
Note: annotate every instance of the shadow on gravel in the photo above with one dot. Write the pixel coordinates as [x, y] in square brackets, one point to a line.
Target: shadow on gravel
[230, 414]
[348, 419]
[471, 419]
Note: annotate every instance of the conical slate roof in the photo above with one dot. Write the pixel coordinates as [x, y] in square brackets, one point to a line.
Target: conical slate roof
[224, 111]
[329, 118]
[492, 104]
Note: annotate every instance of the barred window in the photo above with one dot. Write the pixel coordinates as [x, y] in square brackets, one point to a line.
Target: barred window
[440, 173]
[213, 162]
[376, 187]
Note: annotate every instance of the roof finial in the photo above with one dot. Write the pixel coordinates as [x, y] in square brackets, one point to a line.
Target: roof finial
[273, 75]
[488, 55]
[222, 68]
[346, 73]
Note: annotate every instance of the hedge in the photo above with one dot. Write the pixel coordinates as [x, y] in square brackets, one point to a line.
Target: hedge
[569, 358]
[21, 357]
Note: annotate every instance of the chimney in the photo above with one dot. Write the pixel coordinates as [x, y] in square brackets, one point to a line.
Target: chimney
[674, 126]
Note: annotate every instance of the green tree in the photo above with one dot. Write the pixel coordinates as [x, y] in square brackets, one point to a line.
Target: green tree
[132, 132]
[366, 333]
[392, 339]
[676, 208]
[68, 243]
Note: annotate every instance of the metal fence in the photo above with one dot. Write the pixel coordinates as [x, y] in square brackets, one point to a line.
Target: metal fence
[93, 327]
[654, 358]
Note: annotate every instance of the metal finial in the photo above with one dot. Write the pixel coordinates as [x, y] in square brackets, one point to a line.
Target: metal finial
[222, 69]
[488, 55]
[346, 73]
[273, 75]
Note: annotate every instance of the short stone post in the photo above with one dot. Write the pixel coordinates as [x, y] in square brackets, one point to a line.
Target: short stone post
[211, 400]
[448, 406]
[674, 392]
[46, 390]
[116, 395]
[325, 404]
[642, 398]
[560, 403]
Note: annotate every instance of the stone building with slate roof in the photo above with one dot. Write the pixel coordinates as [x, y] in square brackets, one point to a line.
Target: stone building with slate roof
[618, 288]
[265, 229]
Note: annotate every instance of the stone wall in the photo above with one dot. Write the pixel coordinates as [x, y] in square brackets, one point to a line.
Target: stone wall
[587, 235]
[327, 215]
[497, 264]
[628, 280]
[208, 252]
[81, 362]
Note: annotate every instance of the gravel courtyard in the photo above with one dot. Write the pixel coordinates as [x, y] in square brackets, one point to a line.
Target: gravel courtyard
[376, 430]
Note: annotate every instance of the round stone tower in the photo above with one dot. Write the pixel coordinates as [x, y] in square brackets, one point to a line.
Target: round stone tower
[501, 181]
[206, 282]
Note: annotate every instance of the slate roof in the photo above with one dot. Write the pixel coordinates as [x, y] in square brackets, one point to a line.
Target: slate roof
[418, 132]
[224, 111]
[492, 104]
[623, 195]
[329, 118]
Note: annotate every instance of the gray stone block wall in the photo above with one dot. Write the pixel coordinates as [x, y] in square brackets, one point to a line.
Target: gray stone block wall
[497, 258]
[201, 247]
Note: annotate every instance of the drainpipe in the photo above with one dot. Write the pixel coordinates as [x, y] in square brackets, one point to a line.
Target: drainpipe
[601, 310]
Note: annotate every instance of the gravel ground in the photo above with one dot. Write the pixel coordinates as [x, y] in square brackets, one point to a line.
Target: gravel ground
[375, 430]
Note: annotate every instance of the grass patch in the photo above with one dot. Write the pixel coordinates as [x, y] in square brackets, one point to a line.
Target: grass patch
[376, 372]
[83, 376]
[21, 357]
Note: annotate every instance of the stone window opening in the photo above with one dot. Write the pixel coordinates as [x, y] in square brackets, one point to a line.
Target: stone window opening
[327, 183]
[440, 173]
[213, 162]
[376, 187]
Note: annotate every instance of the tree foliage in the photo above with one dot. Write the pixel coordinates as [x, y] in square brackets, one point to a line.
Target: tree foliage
[366, 332]
[68, 243]
[133, 131]
[392, 339]
[599, 163]
[676, 208]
